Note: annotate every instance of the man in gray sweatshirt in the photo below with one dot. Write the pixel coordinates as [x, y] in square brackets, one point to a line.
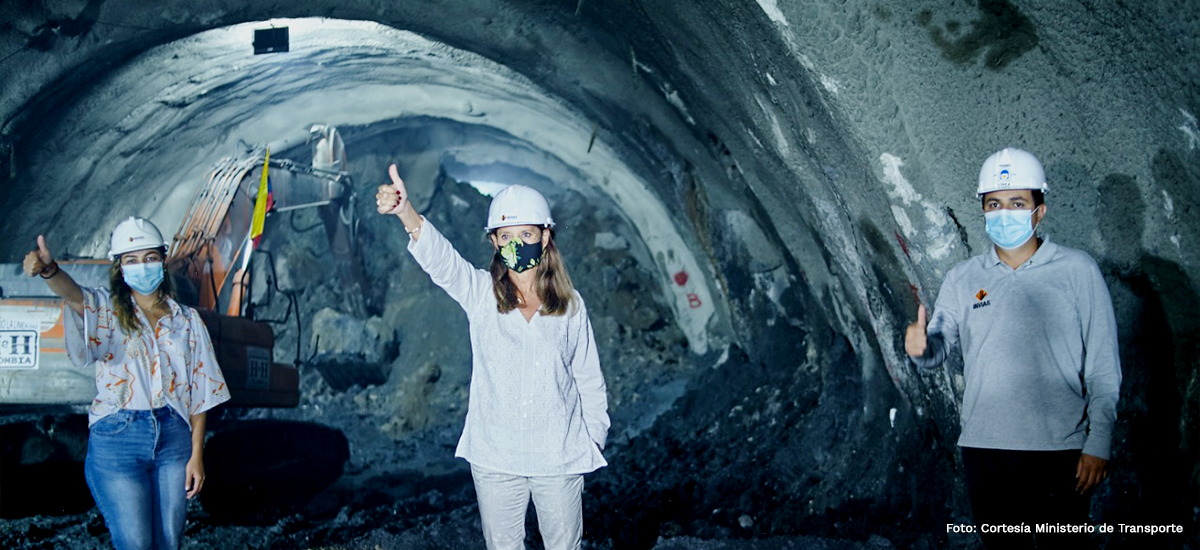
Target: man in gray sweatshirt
[1035, 325]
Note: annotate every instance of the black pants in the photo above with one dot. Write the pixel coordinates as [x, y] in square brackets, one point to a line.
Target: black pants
[1025, 488]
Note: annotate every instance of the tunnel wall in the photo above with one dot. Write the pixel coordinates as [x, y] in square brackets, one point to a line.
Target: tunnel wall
[822, 155]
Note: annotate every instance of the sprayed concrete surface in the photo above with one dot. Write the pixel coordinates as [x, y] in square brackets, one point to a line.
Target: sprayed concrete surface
[760, 195]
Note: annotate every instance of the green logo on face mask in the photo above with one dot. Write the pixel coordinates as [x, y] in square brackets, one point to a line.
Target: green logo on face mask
[520, 256]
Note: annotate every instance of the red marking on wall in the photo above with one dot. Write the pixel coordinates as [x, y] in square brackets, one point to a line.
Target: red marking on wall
[693, 300]
[681, 278]
[903, 244]
[915, 292]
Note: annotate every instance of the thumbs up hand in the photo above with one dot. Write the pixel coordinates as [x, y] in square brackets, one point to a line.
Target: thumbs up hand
[392, 199]
[915, 338]
[38, 261]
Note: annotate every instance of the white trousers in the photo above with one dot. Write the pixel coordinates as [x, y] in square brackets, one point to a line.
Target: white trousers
[504, 499]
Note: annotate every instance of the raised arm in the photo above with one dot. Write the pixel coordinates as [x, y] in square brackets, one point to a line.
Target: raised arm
[448, 269]
[41, 262]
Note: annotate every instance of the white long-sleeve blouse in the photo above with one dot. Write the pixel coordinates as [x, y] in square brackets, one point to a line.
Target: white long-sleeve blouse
[537, 404]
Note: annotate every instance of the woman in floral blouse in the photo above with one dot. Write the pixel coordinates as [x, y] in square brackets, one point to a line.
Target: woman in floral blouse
[537, 416]
[156, 377]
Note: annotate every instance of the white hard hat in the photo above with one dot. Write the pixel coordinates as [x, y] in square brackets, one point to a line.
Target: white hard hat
[134, 234]
[1011, 168]
[518, 205]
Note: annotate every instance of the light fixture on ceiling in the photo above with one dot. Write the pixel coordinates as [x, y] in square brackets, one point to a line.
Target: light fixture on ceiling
[270, 40]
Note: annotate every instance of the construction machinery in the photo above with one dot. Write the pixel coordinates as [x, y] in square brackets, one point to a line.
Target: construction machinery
[43, 394]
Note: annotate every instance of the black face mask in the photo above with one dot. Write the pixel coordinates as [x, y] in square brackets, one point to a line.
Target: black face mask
[519, 256]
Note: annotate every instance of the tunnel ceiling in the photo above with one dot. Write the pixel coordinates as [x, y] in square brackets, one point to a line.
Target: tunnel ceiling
[831, 145]
[210, 92]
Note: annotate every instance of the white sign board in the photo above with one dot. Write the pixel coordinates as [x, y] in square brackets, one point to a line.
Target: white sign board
[43, 317]
[19, 344]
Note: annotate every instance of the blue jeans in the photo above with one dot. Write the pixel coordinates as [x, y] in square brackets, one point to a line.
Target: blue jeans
[135, 468]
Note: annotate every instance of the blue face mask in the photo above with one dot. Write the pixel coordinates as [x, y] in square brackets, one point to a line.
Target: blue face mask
[143, 278]
[1009, 229]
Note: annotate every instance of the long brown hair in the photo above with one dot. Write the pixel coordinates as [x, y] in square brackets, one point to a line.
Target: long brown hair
[122, 295]
[553, 284]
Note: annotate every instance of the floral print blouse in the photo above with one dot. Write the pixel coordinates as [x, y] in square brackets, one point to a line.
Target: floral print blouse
[172, 364]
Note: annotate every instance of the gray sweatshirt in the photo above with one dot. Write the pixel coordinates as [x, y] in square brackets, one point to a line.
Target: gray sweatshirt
[1039, 347]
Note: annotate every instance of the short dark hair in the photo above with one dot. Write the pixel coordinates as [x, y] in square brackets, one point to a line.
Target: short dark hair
[1039, 197]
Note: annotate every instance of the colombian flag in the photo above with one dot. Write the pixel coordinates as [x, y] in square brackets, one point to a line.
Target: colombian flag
[262, 204]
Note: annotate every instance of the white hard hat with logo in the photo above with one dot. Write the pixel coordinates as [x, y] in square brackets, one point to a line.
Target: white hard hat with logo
[134, 234]
[518, 205]
[1011, 168]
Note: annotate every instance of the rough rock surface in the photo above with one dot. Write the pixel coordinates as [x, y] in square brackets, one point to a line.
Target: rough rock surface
[349, 351]
[811, 163]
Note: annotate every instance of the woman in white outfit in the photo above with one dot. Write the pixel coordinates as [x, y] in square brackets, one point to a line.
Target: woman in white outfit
[537, 417]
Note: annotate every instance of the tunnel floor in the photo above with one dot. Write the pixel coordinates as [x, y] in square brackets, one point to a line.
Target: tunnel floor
[412, 494]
